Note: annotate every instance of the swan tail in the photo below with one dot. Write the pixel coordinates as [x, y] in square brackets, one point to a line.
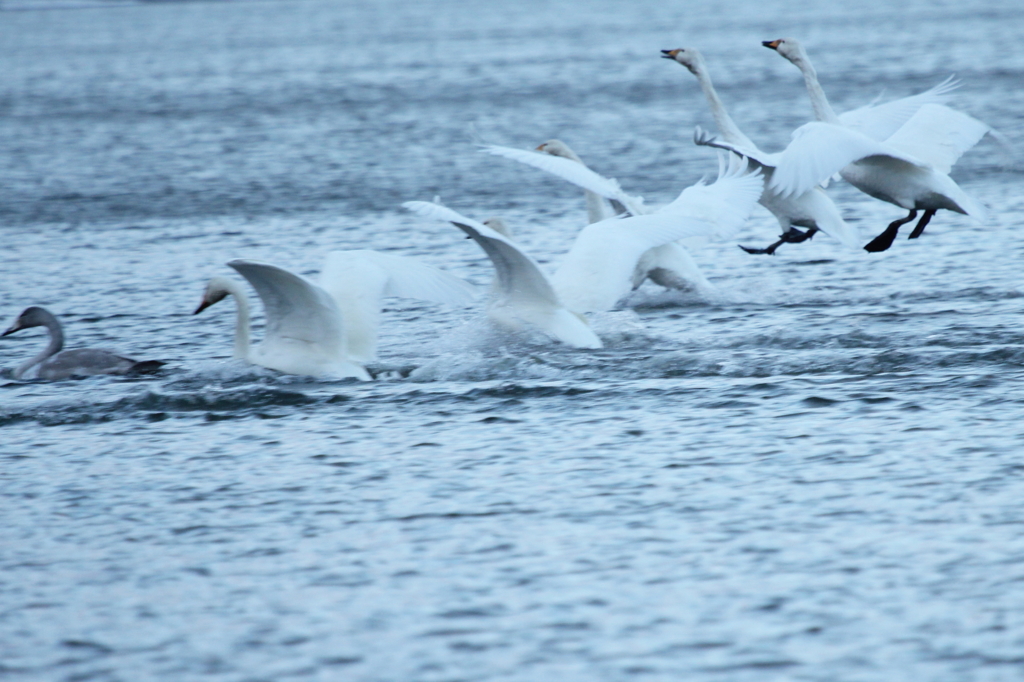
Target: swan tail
[572, 329]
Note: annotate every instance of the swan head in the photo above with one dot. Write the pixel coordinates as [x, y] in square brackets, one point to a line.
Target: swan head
[790, 48]
[33, 316]
[217, 289]
[499, 226]
[689, 57]
[558, 148]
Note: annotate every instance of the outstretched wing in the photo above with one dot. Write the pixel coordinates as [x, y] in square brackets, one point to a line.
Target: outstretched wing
[598, 270]
[574, 172]
[404, 277]
[703, 138]
[296, 308]
[938, 135]
[879, 121]
[724, 205]
[819, 150]
[519, 278]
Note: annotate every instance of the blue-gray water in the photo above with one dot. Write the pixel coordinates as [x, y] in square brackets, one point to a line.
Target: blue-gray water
[815, 475]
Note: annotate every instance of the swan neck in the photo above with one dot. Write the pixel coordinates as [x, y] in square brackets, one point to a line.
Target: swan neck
[726, 126]
[595, 207]
[819, 102]
[55, 345]
[242, 322]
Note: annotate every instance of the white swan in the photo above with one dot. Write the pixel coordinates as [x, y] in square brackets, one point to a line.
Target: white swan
[900, 152]
[304, 332]
[811, 209]
[522, 295]
[55, 364]
[598, 270]
[669, 265]
[329, 329]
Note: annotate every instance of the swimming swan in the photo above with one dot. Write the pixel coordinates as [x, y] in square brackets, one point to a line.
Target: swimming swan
[598, 270]
[811, 209]
[55, 364]
[900, 152]
[669, 265]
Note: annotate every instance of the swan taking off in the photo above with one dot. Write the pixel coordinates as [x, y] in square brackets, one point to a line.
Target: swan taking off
[55, 364]
[523, 295]
[598, 270]
[330, 329]
[304, 330]
[900, 152]
[669, 265]
[811, 209]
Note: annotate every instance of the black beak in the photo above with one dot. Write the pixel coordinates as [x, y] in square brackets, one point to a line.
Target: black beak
[202, 306]
[10, 330]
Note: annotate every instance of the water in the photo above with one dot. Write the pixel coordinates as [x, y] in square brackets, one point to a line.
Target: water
[814, 475]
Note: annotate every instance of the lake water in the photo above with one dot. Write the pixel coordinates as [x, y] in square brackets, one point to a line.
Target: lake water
[814, 474]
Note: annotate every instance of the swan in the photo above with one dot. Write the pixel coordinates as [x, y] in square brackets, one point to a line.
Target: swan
[669, 265]
[900, 152]
[304, 330]
[522, 293]
[811, 209]
[55, 364]
[329, 329]
[598, 270]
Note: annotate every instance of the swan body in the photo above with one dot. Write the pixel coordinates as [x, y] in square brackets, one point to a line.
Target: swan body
[304, 332]
[669, 265]
[900, 152]
[55, 364]
[522, 294]
[811, 209]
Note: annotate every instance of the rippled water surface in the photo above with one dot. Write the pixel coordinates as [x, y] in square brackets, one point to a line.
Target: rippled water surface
[813, 474]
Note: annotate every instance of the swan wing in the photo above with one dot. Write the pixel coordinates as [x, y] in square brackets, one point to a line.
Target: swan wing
[722, 206]
[938, 135]
[405, 277]
[879, 121]
[819, 150]
[574, 172]
[598, 270]
[296, 309]
[519, 278]
[703, 138]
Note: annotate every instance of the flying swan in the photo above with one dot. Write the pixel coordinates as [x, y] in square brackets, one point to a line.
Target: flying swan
[811, 209]
[55, 364]
[900, 152]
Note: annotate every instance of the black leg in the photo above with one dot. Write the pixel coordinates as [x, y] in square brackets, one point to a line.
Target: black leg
[884, 240]
[919, 228]
[791, 236]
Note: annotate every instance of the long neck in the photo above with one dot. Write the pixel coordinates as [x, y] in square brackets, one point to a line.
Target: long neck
[56, 343]
[597, 209]
[726, 126]
[822, 109]
[242, 322]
